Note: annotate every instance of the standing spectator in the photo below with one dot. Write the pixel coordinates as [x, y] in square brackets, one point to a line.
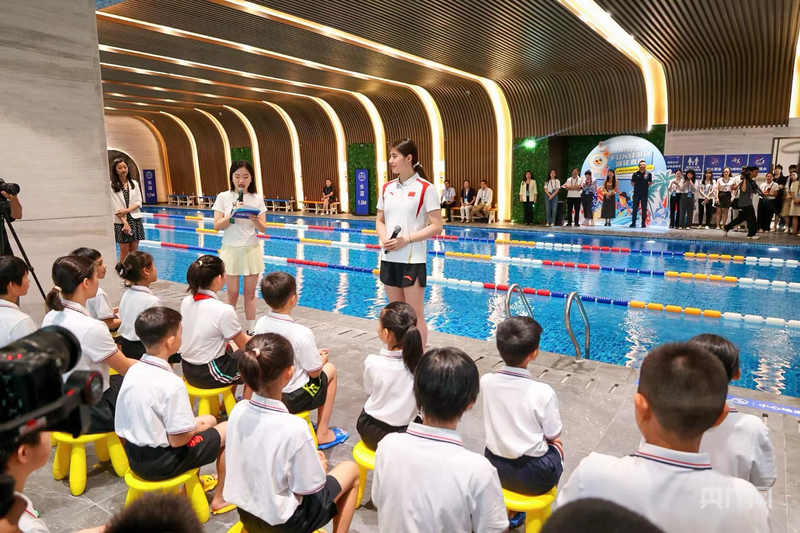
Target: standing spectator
[724, 193]
[448, 198]
[527, 195]
[126, 199]
[687, 200]
[573, 187]
[327, 195]
[641, 181]
[15, 214]
[588, 191]
[483, 201]
[705, 200]
[767, 210]
[794, 210]
[745, 204]
[551, 189]
[783, 187]
[467, 201]
[675, 194]
[610, 190]
[788, 202]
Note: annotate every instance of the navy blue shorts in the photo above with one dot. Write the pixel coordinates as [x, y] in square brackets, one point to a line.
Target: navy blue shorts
[530, 476]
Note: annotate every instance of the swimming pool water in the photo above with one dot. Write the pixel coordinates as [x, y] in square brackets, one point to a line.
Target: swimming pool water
[619, 335]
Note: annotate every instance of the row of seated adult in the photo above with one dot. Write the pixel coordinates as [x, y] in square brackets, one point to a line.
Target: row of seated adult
[472, 205]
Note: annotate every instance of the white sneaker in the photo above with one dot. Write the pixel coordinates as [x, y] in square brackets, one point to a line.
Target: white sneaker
[706, 227]
[754, 238]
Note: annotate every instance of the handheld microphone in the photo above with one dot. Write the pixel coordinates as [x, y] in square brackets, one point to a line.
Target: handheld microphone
[395, 233]
[241, 194]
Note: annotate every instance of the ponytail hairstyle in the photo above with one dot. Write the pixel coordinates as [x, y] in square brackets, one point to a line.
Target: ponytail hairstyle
[68, 273]
[407, 147]
[203, 271]
[401, 321]
[264, 359]
[131, 269]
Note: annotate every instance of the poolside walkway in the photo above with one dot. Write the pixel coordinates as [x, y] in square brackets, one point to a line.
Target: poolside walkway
[595, 401]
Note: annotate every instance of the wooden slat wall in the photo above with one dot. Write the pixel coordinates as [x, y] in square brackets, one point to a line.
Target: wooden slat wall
[210, 151]
[237, 133]
[179, 153]
[403, 116]
[275, 149]
[728, 63]
[317, 146]
[355, 120]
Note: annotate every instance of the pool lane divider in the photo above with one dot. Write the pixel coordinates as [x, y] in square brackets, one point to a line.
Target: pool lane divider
[478, 285]
[519, 261]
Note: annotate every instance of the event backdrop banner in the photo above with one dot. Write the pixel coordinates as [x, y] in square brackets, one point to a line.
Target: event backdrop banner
[623, 154]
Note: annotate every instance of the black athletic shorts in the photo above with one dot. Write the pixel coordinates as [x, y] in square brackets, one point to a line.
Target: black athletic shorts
[131, 349]
[308, 397]
[403, 274]
[102, 413]
[220, 372]
[314, 512]
[531, 476]
[373, 430]
[157, 464]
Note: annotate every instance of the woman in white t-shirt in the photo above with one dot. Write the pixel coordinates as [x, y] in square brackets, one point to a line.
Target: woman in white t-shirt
[408, 205]
[240, 249]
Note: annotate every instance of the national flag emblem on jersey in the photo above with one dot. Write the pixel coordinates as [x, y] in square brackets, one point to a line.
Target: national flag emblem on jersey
[412, 194]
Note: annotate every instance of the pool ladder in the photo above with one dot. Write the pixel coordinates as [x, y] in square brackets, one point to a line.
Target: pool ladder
[509, 293]
[575, 297]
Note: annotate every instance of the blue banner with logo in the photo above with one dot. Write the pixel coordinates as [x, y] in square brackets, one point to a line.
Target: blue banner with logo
[674, 162]
[694, 162]
[735, 162]
[716, 163]
[362, 191]
[149, 179]
[762, 161]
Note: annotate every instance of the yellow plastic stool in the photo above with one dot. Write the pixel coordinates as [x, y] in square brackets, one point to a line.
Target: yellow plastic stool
[238, 527]
[365, 459]
[70, 457]
[306, 415]
[209, 399]
[194, 490]
[537, 509]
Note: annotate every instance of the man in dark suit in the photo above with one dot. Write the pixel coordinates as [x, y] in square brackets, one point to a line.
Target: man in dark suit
[640, 181]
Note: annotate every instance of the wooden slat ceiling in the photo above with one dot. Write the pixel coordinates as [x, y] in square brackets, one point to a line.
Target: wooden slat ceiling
[728, 63]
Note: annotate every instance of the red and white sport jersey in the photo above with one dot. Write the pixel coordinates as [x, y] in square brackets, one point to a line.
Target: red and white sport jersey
[407, 205]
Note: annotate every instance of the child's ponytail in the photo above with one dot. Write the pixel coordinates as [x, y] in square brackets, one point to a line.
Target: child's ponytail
[68, 273]
[401, 321]
[131, 269]
[203, 271]
[264, 358]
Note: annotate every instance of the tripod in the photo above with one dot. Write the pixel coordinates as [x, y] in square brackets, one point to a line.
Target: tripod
[5, 220]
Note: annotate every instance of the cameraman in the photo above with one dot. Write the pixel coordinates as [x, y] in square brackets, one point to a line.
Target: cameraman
[746, 212]
[16, 214]
[20, 458]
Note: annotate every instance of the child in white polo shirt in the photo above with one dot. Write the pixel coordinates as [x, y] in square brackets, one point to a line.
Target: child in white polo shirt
[163, 438]
[14, 283]
[740, 446]
[140, 271]
[389, 376]
[424, 478]
[99, 306]
[275, 476]
[209, 325]
[521, 416]
[20, 457]
[682, 390]
[313, 385]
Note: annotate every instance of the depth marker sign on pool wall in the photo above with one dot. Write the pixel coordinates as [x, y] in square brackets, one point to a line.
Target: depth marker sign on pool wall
[149, 178]
[362, 191]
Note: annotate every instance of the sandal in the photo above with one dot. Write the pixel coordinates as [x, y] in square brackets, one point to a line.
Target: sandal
[224, 510]
[208, 481]
[340, 436]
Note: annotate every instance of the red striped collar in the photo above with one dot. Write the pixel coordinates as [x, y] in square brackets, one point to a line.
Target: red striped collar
[688, 460]
[515, 372]
[281, 317]
[203, 294]
[447, 436]
[74, 306]
[391, 354]
[268, 404]
[156, 361]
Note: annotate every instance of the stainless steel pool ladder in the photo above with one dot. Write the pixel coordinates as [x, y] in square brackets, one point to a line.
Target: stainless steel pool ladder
[574, 297]
[509, 292]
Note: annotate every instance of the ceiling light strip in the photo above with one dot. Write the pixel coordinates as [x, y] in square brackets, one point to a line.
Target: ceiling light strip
[381, 162]
[195, 159]
[295, 139]
[341, 153]
[251, 131]
[226, 143]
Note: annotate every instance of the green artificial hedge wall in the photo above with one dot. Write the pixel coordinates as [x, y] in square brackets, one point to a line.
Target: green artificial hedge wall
[362, 156]
[535, 160]
[242, 153]
[580, 146]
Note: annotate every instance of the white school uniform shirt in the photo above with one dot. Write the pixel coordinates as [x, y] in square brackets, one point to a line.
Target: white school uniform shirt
[135, 197]
[100, 306]
[270, 459]
[677, 491]
[135, 300]
[29, 522]
[390, 387]
[407, 206]
[448, 195]
[306, 353]
[741, 447]
[484, 196]
[519, 414]
[152, 404]
[14, 324]
[241, 232]
[425, 480]
[208, 325]
[96, 341]
[572, 182]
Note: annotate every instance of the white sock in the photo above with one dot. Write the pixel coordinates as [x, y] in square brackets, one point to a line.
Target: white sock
[251, 325]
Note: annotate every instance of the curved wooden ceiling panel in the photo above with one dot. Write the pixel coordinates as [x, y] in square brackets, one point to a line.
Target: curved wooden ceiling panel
[734, 69]
[210, 151]
[179, 153]
[355, 120]
[237, 133]
[275, 150]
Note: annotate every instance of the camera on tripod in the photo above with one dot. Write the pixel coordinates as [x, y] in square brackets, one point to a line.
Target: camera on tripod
[8, 188]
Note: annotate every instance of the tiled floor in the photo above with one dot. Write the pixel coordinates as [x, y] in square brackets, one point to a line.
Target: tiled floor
[595, 401]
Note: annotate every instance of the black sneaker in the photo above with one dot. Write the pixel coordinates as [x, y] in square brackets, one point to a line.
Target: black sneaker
[632, 225]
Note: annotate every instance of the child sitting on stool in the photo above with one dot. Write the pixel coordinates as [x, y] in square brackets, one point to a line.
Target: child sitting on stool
[140, 271]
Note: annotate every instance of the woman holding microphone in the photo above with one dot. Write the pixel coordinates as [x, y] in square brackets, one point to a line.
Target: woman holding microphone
[408, 215]
[240, 250]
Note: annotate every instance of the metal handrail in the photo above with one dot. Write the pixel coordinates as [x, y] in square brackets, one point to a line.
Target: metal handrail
[509, 292]
[574, 296]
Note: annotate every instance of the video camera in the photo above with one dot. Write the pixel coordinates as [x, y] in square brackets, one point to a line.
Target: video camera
[9, 188]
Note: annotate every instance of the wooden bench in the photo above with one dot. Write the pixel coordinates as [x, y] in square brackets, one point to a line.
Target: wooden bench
[207, 201]
[279, 204]
[318, 207]
[172, 199]
[308, 205]
[181, 199]
[493, 215]
[333, 208]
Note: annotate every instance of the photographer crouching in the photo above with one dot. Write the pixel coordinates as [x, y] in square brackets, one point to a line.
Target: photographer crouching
[744, 203]
[9, 202]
